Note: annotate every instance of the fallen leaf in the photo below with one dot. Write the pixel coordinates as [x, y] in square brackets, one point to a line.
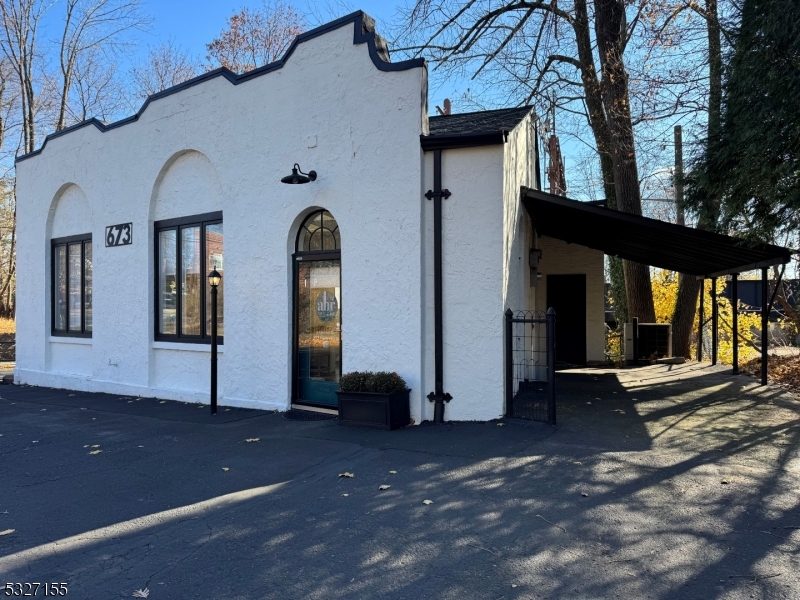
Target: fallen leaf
[95, 452]
[346, 474]
[7, 532]
[513, 585]
[345, 495]
[427, 501]
[248, 440]
[226, 468]
[384, 487]
[141, 593]
[393, 472]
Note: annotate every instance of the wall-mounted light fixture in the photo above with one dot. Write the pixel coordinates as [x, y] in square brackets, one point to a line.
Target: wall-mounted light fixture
[298, 176]
[534, 257]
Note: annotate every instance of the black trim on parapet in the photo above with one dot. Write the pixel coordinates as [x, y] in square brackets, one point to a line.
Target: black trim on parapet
[364, 32]
[463, 140]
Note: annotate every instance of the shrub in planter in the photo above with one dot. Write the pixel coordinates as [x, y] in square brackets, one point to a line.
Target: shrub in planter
[368, 399]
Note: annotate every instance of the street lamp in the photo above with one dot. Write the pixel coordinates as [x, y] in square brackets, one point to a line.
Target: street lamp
[213, 279]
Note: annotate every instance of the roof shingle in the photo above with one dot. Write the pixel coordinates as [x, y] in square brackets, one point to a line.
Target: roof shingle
[485, 121]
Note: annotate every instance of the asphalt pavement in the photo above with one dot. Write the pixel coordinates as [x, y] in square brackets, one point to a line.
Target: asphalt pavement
[661, 482]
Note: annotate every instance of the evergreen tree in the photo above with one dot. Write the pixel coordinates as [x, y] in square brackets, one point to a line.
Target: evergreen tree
[749, 176]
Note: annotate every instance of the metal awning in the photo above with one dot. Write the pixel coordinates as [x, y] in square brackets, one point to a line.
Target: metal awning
[647, 241]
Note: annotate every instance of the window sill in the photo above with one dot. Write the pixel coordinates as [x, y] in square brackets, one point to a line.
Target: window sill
[65, 339]
[188, 347]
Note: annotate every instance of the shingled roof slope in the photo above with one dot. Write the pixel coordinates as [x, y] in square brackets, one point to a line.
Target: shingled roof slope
[485, 121]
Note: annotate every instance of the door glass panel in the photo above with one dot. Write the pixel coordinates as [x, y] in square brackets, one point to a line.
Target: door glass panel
[167, 282]
[61, 288]
[75, 285]
[191, 280]
[319, 331]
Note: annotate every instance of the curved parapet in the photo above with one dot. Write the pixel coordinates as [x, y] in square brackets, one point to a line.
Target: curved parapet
[364, 33]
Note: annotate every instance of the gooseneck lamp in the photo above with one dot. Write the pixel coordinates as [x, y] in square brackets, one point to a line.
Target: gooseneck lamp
[298, 176]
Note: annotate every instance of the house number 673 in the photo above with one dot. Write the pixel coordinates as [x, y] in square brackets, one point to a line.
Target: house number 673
[119, 235]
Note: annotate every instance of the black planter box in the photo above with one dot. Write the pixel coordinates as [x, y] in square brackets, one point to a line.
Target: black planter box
[379, 411]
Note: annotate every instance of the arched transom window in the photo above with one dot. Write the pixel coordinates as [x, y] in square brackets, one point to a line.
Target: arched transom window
[319, 232]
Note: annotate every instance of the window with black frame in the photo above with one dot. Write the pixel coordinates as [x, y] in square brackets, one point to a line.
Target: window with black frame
[186, 250]
[71, 279]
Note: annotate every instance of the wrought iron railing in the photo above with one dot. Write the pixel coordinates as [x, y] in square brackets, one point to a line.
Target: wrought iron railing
[530, 341]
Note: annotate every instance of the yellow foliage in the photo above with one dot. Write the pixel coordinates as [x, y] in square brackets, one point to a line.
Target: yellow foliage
[8, 326]
[665, 292]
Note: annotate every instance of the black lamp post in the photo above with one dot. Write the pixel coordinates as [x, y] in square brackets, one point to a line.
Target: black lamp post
[213, 279]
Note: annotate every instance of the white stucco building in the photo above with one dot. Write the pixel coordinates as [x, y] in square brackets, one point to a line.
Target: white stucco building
[119, 225]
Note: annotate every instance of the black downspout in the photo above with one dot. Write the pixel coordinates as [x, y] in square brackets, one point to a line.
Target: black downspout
[438, 396]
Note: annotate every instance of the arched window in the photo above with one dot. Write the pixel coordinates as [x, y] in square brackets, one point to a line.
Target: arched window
[318, 233]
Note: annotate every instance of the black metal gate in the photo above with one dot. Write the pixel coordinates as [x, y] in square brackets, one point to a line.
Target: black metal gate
[530, 339]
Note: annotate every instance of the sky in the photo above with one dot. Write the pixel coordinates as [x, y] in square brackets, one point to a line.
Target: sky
[193, 23]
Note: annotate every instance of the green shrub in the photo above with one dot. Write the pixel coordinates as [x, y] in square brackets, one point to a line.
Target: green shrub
[381, 382]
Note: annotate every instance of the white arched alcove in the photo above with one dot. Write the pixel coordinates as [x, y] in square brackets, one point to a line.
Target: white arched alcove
[70, 214]
[188, 184]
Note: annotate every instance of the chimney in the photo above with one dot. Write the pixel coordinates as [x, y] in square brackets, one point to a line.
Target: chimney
[447, 106]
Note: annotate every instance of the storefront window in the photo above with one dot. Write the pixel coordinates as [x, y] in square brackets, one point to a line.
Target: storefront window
[72, 286]
[188, 249]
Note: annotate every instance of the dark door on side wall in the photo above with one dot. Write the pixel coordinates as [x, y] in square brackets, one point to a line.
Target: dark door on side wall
[567, 295]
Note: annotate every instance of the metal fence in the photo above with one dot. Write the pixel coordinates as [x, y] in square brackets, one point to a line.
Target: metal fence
[530, 339]
[8, 350]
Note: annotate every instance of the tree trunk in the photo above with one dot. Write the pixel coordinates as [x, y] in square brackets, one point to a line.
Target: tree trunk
[688, 286]
[610, 31]
[602, 138]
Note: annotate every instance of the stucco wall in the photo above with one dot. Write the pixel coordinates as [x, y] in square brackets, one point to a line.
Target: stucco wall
[561, 258]
[485, 234]
[216, 146]
[471, 281]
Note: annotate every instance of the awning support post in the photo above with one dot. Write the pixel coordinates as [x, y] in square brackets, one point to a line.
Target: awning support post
[700, 321]
[635, 334]
[764, 326]
[714, 320]
[735, 316]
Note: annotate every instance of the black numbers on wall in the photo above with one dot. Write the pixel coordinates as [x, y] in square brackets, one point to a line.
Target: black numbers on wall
[119, 235]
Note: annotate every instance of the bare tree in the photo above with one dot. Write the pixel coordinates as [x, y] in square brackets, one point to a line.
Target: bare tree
[166, 65]
[541, 47]
[19, 42]
[91, 24]
[98, 90]
[255, 37]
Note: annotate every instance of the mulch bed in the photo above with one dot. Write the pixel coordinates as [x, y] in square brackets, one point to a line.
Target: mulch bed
[782, 370]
